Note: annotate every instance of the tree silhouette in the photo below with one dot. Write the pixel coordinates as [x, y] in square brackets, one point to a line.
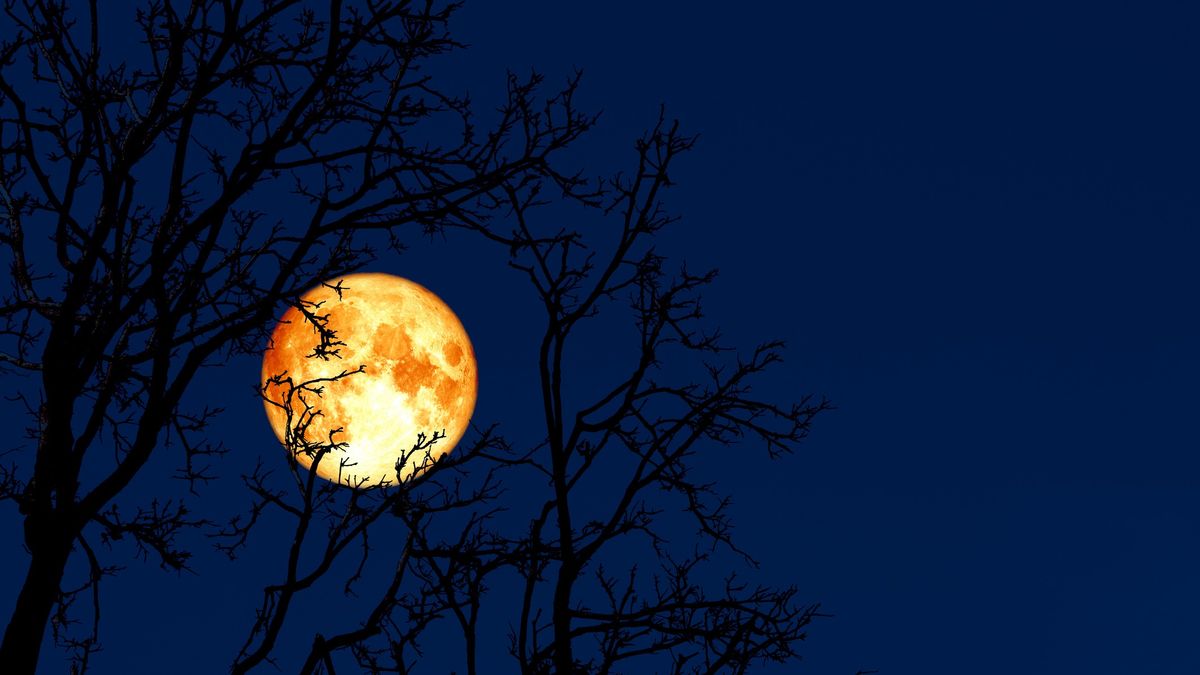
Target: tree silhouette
[137, 203]
[579, 612]
[137, 195]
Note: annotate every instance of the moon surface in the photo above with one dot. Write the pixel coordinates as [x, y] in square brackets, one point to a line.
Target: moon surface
[420, 377]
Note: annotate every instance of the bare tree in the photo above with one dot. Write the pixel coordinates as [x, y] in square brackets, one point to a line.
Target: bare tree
[651, 424]
[142, 242]
[680, 607]
[425, 487]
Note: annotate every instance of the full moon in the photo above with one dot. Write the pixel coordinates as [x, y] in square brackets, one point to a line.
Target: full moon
[419, 376]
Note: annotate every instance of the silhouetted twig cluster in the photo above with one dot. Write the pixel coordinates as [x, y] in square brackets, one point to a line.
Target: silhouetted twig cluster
[142, 236]
[651, 424]
[139, 223]
[582, 610]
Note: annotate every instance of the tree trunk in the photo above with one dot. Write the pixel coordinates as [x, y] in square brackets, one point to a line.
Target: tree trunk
[27, 627]
[564, 658]
[470, 636]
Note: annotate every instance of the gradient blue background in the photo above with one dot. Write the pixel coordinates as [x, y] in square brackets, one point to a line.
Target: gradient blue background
[976, 226]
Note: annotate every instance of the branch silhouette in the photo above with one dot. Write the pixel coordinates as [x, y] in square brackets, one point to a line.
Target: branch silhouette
[139, 199]
[683, 607]
[426, 487]
[136, 193]
[651, 425]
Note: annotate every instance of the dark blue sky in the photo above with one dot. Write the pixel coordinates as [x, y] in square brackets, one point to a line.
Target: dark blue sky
[975, 224]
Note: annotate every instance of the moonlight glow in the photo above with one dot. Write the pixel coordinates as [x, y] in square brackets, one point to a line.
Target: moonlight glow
[420, 375]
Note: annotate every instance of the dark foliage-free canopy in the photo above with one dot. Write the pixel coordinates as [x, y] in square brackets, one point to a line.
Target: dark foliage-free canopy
[138, 185]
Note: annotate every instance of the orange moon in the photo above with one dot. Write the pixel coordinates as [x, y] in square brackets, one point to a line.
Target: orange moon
[420, 377]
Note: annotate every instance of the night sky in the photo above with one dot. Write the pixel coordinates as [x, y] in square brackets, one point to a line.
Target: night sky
[975, 225]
